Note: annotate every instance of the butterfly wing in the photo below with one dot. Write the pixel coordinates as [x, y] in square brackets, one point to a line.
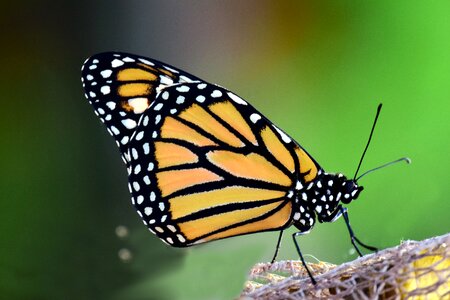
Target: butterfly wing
[204, 164]
[122, 86]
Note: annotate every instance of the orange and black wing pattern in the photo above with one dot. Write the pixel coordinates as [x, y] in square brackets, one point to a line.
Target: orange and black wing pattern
[203, 164]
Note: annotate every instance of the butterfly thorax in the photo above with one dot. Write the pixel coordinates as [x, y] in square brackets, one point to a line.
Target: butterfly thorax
[321, 198]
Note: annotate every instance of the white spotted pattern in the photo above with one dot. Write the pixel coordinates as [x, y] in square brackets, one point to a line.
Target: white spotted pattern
[236, 99]
[106, 73]
[129, 123]
[254, 117]
[105, 90]
[116, 63]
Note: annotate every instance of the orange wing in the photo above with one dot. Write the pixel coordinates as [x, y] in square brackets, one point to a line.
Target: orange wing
[217, 168]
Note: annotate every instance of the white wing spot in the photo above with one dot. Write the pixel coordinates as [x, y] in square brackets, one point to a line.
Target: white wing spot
[185, 79]
[145, 122]
[127, 156]
[255, 117]
[128, 59]
[161, 206]
[180, 99]
[148, 210]
[158, 106]
[170, 69]
[181, 238]
[139, 136]
[284, 137]
[105, 90]
[165, 80]
[137, 169]
[140, 199]
[129, 123]
[92, 94]
[124, 140]
[236, 99]
[115, 130]
[146, 180]
[200, 99]
[146, 62]
[89, 77]
[106, 73]
[216, 94]
[165, 95]
[139, 105]
[116, 63]
[134, 153]
[201, 86]
[183, 88]
[146, 148]
[152, 196]
[136, 186]
[111, 105]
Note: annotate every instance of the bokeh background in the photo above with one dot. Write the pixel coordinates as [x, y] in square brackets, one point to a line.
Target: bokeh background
[317, 69]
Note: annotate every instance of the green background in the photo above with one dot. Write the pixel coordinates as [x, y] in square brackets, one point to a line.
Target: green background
[317, 69]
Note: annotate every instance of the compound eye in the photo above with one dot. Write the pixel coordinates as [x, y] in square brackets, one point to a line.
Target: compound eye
[350, 186]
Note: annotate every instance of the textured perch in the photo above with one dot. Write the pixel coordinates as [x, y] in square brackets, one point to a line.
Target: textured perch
[413, 270]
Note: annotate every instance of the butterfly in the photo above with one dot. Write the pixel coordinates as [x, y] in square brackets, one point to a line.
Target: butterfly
[203, 164]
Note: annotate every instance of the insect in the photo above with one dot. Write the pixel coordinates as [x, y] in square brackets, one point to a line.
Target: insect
[203, 164]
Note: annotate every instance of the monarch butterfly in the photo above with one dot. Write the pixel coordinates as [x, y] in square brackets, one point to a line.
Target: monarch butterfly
[203, 164]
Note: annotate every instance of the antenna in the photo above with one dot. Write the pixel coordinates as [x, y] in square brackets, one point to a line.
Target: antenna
[406, 159]
[370, 137]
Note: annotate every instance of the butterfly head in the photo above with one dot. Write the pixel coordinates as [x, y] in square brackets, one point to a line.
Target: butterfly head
[327, 192]
[350, 189]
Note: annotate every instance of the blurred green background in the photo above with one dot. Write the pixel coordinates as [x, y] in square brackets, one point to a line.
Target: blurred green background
[317, 69]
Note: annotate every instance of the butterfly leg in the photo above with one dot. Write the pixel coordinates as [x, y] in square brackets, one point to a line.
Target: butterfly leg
[277, 247]
[301, 256]
[353, 238]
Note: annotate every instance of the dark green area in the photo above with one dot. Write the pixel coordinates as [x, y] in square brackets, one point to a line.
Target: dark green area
[317, 69]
